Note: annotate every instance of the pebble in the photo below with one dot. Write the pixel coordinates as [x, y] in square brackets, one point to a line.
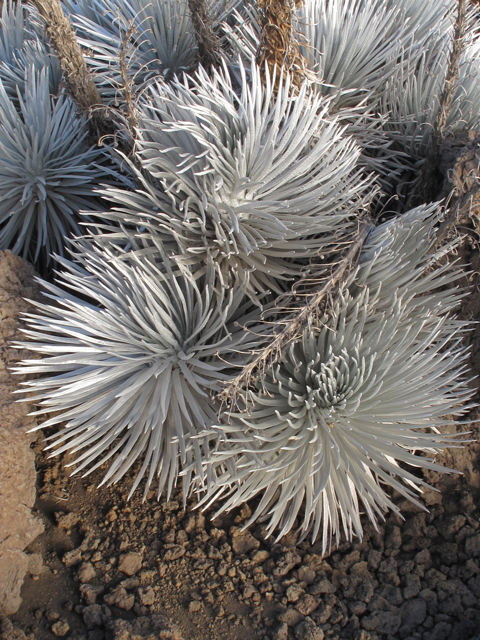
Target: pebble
[130, 563]
[308, 630]
[259, 557]
[95, 615]
[307, 604]
[291, 617]
[174, 552]
[323, 586]
[60, 628]
[89, 592]
[66, 521]
[413, 613]
[242, 541]
[146, 596]
[384, 622]
[281, 632]
[294, 592]
[413, 586]
[72, 558]
[120, 598]
[86, 572]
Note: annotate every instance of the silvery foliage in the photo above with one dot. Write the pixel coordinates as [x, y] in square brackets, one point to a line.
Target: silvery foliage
[22, 46]
[413, 94]
[130, 373]
[364, 54]
[358, 45]
[163, 41]
[47, 172]
[355, 398]
[253, 182]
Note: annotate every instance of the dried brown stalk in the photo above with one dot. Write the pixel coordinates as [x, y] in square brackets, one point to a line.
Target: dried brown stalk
[278, 44]
[431, 178]
[295, 323]
[207, 39]
[128, 83]
[64, 41]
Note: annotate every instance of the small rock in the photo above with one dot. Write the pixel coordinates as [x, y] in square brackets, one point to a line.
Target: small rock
[357, 588]
[120, 598]
[148, 627]
[194, 606]
[182, 537]
[382, 622]
[9, 632]
[392, 594]
[66, 521]
[174, 552]
[291, 617]
[285, 563]
[146, 596]
[374, 559]
[413, 586]
[308, 630]
[307, 604]
[323, 586]
[51, 615]
[423, 557]
[60, 628]
[394, 539]
[86, 572]
[441, 631]
[248, 592]
[35, 564]
[130, 563]
[89, 592]
[324, 611]
[130, 583]
[294, 592]
[243, 541]
[472, 546]
[413, 613]
[259, 557]
[306, 574]
[281, 632]
[95, 615]
[450, 525]
[72, 558]
[90, 542]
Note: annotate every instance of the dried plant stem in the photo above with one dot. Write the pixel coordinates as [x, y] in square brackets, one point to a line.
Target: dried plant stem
[64, 41]
[278, 47]
[298, 321]
[452, 72]
[208, 41]
[128, 83]
[430, 178]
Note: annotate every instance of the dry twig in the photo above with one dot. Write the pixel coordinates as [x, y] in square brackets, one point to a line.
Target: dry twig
[208, 41]
[278, 46]
[63, 38]
[128, 83]
[295, 323]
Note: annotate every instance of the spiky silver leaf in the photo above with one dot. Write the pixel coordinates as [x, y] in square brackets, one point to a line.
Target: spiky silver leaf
[21, 47]
[47, 172]
[163, 40]
[413, 94]
[343, 414]
[130, 373]
[251, 182]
